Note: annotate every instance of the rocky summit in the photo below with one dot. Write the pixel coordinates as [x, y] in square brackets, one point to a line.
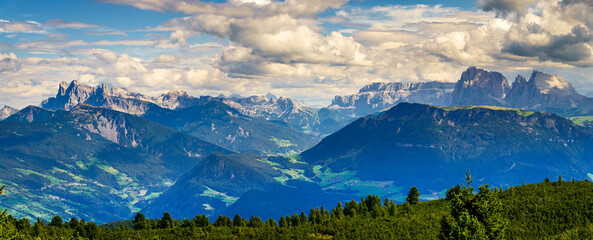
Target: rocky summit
[480, 87]
[6, 111]
[380, 96]
[542, 92]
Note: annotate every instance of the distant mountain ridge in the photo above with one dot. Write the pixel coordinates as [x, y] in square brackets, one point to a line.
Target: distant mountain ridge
[380, 96]
[6, 111]
[542, 92]
[294, 113]
[209, 118]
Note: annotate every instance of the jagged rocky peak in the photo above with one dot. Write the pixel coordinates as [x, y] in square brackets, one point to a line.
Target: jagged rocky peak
[6, 111]
[256, 99]
[379, 96]
[175, 93]
[480, 87]
[546, 92]
[519, 80]
[395, 86]
[62, 89]
[547, 83]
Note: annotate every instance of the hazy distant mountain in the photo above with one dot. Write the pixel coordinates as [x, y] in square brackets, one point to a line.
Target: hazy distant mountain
[270, 108]
[376, 97]
[6, 111]
[430, 147]
[70, 95]
[89, 162]
[294, 113]
[222, 125]
[206, 117]
[543, 92]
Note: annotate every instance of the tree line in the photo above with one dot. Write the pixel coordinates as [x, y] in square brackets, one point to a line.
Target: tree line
[465, 213]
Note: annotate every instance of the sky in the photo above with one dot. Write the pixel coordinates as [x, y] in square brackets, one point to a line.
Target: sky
[309, 50]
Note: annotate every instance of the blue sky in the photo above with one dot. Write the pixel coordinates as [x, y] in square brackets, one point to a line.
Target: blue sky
[305, 49]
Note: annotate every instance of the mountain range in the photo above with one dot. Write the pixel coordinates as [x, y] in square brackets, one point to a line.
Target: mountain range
[104, 153]
[385, 154]
[90, 162]
[542, 92]
[270, 108]
[208, 118]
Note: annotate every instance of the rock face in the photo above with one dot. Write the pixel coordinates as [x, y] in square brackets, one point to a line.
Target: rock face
[6, 111]
[480, 87]
[287, 110]
[544, 91]
[70, 95]
[380, 96]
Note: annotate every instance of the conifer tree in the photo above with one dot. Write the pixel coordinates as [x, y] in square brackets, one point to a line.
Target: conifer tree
[56, 221]
[255, 222]
[271, 222]
[351, 208]
[7, 229]
[201, 221]
[238, 221]
[139, 222]
[474, 216]
[413, 196]
[303, 218]
[166, 221]
[73, 223]
[283, 222]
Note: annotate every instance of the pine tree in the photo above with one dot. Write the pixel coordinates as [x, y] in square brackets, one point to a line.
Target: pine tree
[140, 222]
[201, 221]
[7, 229]
[255, 222]
[413, 196]
[238, 221]
[338, 211]
[271, 222]
[283, 222]
[56, 221]
[295, 220]
[166, 221]
[303, 218]
[223, 221]
[351, 208]
[474, 216]
[73, 223]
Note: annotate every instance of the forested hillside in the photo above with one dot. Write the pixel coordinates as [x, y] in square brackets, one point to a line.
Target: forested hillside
[547, 210]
